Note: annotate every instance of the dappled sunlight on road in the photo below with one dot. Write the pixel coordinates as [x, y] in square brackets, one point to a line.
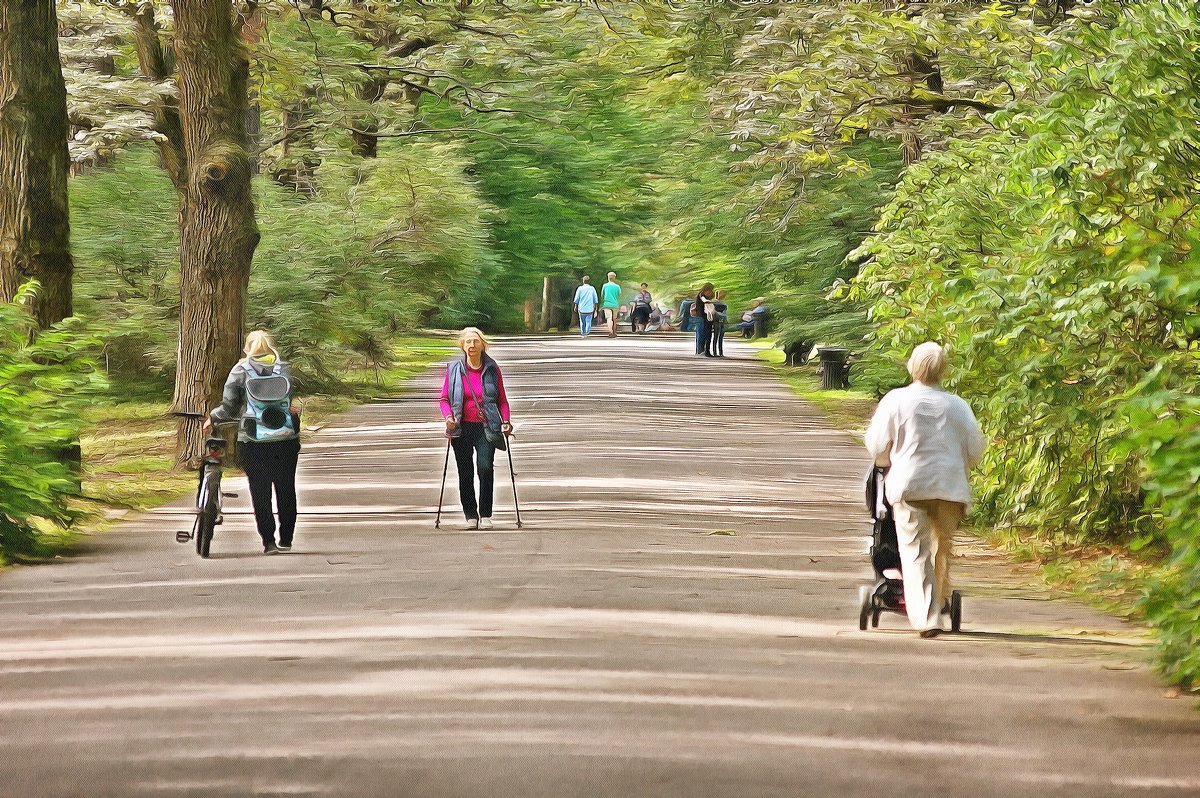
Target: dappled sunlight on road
[679, 608]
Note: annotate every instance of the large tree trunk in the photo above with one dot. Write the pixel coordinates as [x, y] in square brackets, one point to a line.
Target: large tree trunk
[35, 230]
[218, 233]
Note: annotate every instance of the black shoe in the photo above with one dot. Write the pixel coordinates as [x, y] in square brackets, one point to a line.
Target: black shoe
[284, 546]
[270, 548]
[928, 633]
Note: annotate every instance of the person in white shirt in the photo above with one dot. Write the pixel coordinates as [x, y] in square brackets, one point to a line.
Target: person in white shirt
[585, 305]
[931, 441]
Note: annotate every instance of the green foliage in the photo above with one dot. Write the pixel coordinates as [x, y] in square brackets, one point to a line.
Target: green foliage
[1056, 255]
[811, 79]
[44, 385]
[109, 107]
[707, 231]
[127, 266]
[336, 277]
[378, 251]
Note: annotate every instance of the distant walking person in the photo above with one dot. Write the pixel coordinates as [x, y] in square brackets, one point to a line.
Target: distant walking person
[258, 394]
[720, 317]
[610, 303]
[701, 321]
[585, 305]
[931, 441]
[475, 408]
[642, 306]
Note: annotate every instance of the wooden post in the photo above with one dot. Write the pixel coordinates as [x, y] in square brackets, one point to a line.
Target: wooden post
[547, 308]
[530, 313]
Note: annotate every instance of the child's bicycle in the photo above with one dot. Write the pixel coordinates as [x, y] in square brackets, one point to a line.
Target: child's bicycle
[208, 492]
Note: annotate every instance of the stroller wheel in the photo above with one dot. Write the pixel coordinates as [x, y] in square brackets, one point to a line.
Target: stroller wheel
[955, 611]
[864, 607]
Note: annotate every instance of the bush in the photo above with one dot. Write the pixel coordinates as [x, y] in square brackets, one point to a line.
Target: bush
[45, 383]
[1057, 256]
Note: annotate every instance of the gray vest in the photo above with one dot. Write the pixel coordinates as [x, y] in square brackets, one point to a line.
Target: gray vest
[491, 395]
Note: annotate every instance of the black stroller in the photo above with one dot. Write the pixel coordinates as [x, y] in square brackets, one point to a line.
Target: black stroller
[888, 591]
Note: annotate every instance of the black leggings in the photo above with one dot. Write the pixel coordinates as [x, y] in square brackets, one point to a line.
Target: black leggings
[472, 445]
[267, 466]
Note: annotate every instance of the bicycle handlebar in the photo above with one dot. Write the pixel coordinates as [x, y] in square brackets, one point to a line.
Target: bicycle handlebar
[190, 414]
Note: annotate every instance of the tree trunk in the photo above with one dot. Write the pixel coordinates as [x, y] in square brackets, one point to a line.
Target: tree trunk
[298, 164]
[217, 233]
[35, 231]
[155, 65]
[917, 67]
[253, 25]
[922, 68]
[547, 298]
[366, 143]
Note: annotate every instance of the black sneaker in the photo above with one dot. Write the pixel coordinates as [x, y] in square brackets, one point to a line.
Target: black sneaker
[270, 548]
[284, 546]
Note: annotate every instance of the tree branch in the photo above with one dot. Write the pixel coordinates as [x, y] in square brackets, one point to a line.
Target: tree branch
[412, 46]
[481, 31]
[432, 131]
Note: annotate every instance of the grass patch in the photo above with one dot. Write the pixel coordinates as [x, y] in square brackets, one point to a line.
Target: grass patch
[848, 410]
[1109, 578]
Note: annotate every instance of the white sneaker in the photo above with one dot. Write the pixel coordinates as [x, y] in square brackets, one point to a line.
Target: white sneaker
[486, 523]
[472, 523]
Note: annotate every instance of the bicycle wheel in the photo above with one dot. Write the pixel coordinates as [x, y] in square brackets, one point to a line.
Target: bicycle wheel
[209, 509]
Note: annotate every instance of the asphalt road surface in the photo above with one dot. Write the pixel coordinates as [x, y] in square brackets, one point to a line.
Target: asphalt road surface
[677, 617]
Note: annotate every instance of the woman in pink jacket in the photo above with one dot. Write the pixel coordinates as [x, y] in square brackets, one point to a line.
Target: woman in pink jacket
[478, 422]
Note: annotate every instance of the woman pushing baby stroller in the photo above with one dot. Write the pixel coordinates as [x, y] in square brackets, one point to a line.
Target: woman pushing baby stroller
[929, 441]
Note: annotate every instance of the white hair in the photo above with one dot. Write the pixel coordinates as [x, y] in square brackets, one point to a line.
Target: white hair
[467, 333]
[927, 363]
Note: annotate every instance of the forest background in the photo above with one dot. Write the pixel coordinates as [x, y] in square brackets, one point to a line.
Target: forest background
[1017, 180]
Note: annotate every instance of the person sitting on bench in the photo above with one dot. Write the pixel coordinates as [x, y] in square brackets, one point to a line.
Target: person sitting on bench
[751, 318]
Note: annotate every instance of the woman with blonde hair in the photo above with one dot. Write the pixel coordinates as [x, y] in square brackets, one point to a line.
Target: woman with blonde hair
[478, 421]
[929, 440]
[258, 395]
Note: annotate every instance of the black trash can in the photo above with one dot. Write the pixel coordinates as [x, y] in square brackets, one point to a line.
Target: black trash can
[835, 368]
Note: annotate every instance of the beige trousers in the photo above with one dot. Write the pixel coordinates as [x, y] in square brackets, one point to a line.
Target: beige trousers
[925, 531]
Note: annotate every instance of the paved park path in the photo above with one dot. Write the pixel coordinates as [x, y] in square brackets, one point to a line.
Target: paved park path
[614, 646]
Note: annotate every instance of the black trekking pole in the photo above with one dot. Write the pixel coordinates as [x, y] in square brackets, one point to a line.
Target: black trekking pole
[513, 474]
[437, 523]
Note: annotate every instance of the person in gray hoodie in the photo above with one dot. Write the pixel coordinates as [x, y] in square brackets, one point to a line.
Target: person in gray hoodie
[270, 465]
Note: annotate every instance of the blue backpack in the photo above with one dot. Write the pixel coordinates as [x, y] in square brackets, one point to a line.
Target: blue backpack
[269, 406]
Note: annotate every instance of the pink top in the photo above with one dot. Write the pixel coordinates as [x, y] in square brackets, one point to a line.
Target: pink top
[473, 382]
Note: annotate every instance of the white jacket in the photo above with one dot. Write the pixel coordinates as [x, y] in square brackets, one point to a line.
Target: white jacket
[930, 439]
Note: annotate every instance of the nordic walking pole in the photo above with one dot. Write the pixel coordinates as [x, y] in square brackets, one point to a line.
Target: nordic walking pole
[513, 474]
[437, 523]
